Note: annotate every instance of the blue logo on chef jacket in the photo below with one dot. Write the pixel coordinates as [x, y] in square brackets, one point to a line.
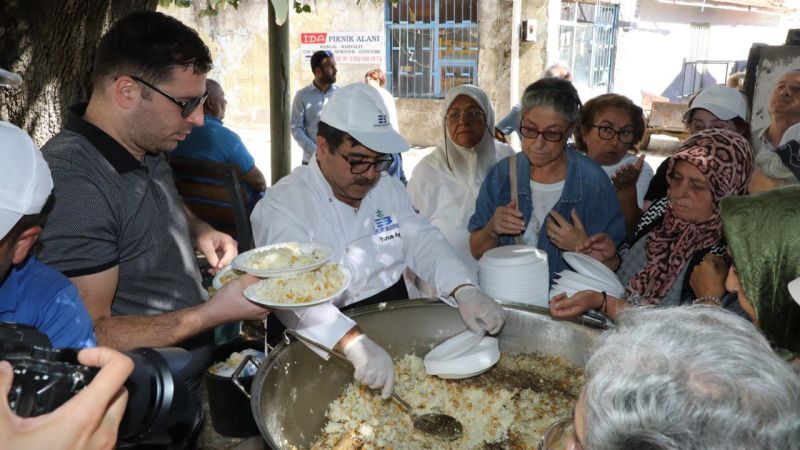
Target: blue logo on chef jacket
[384, 227]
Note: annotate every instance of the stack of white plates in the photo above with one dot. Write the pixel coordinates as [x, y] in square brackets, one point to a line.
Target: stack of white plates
[515, 273]
[465, 355]
[589, 275]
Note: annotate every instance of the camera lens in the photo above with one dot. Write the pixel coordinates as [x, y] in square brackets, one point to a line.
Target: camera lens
[163, 389]
[157, 393]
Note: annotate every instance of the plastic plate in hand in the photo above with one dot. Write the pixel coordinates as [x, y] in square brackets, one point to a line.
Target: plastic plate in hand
[319, 252]
[225, 275]
[255, 292]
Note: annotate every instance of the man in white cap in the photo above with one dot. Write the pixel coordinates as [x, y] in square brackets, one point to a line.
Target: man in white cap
[32, 293]
[341, 198]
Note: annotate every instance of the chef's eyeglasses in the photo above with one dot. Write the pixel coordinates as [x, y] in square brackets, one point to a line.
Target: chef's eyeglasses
[357, 167]
[560, 435]
[533, 133]
[454, 117]
[607, 133]
[187, 106]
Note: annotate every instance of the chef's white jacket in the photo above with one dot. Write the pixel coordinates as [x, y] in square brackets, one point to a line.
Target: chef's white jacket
[376, 241]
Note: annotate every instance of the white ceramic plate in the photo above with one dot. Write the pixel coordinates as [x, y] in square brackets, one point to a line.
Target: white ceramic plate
[252, 294]
[590, 267]
[320, 250]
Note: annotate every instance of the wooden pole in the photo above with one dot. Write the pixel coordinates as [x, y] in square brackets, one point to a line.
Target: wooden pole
[279, 107]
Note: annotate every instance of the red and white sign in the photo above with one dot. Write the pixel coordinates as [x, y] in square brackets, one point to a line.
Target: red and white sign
[348, 47]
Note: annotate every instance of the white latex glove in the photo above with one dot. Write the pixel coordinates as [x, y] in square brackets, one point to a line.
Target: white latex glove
[479, 311]
[373, 365]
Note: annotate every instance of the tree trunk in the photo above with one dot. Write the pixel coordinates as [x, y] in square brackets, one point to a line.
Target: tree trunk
[51, 45]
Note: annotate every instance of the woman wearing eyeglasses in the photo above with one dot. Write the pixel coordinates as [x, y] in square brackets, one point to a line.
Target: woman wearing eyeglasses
[446, 182]
[610, 128]
[556, 185]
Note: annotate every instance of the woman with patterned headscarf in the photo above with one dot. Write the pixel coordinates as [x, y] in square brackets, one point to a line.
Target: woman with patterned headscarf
[675, 233]
[763, 240]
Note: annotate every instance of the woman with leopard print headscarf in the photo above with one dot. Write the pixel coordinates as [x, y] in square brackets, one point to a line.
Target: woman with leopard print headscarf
[675, 233]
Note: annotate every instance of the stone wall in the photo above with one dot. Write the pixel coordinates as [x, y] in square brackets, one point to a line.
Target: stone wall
[238, 43]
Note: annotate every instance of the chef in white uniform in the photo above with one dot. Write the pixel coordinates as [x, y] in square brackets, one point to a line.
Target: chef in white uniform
[342, 198]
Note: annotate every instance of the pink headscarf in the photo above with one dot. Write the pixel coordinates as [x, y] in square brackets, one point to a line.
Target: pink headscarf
[726, 160]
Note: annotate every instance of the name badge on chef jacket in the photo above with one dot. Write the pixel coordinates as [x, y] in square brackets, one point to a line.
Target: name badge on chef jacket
[384, 227]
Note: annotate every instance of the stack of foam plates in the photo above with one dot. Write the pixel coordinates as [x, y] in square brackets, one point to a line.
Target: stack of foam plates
[515, 273]
[589, 275]
[465, 355]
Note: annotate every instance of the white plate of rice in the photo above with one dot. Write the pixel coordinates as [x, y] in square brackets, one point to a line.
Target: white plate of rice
[224, 276]
[301, 290]
[280, 260]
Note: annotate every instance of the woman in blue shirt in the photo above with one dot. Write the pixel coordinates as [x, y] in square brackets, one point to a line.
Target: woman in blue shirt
[557, 186]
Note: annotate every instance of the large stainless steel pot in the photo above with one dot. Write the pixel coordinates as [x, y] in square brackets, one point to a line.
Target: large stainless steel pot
[294, 387]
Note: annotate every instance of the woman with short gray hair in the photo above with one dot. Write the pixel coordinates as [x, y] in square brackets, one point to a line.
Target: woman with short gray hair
[696, 377]
[556, 185]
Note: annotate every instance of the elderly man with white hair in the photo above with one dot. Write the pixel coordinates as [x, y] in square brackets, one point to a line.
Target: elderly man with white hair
[784, 111]
[694, 377]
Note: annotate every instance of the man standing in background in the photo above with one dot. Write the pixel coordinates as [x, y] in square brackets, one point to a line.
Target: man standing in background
[308, 102]
[377, 79]
[510, 122]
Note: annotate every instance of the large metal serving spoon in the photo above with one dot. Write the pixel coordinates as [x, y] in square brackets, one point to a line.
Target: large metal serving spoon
[440, 426]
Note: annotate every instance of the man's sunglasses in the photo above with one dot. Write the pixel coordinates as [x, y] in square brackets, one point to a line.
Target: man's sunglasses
[187, 107]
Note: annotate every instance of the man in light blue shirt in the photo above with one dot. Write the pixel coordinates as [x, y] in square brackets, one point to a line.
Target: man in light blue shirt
[32, 293]
[308, 102]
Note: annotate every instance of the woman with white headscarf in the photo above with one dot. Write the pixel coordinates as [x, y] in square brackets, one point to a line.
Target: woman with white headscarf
[445, 183]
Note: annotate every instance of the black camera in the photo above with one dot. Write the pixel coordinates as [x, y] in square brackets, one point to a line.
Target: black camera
[45, 378]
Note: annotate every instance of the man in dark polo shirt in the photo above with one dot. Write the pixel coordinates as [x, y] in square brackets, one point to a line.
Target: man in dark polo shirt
[118, 229]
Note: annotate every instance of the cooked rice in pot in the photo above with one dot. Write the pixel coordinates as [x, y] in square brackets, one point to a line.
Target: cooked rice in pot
[510, 406]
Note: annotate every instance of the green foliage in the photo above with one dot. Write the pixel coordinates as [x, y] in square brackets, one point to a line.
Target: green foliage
[213, 6]
[301, 7]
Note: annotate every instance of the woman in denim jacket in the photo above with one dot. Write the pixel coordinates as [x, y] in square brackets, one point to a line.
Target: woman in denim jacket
[554, 183]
